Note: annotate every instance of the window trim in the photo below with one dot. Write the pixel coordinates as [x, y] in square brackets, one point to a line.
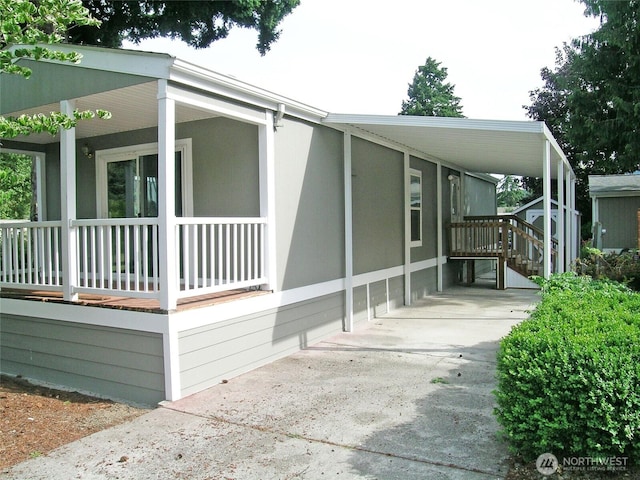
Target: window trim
[103, 157]
[417, 174]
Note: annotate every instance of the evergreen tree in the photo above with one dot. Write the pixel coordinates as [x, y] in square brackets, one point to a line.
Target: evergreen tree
[430, 95]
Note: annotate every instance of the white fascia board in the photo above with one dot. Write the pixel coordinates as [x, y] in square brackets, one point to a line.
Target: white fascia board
[438, 122]
[144, 64]
[216, 83]
[555, 147]
[88, 315]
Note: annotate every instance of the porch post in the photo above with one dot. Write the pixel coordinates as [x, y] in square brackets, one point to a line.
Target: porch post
[407, 229]
[546, 195]
[68, 205]
[439, 226]
[348, 234]
[266, 161]
[166, 199]
[560, 263]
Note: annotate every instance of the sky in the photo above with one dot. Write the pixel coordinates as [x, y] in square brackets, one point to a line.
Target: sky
[359, 56]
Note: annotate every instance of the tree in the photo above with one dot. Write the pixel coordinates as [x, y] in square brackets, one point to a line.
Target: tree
[198, 23]
[29, 25]
[591, 99]
[429, 95]
[16, 186]
[511, 193]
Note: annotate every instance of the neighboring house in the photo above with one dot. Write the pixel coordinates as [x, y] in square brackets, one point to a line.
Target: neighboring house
[210, 226]
[615, 203]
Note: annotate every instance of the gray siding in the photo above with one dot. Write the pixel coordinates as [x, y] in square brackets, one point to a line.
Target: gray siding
[115, 363]
[480, 196]
[619, 217]
[222, 350]
[396, 292]
[378, 207]
[50, 83]
[225, 168]
[424, 282]
[360, 312]
[309, 204]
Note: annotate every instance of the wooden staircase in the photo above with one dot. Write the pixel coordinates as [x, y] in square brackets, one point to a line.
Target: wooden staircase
[507, 238]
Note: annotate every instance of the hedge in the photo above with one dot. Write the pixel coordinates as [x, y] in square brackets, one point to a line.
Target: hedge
[569, 376]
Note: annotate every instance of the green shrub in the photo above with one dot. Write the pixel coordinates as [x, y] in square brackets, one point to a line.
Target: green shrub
[621, 267]
[569, 376]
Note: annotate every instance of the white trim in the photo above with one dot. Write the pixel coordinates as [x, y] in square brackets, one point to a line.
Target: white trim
[546, 188]
[166, 199]
[199, 317]
[89, 315]
[438, 122]
[348, 232]
[103, 157]
[439, 228]
[415, 173]
[424, 264]
[172, 379]
[407, 226]
[220, 107]
[68, 202]
[267, 187]
[377, 276]
[560, 216]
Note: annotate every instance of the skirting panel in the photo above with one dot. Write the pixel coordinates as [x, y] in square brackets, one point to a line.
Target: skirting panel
[109, 362]
[222, 350]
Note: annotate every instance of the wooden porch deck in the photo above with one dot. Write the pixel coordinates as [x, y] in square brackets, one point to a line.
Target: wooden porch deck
[133, 304]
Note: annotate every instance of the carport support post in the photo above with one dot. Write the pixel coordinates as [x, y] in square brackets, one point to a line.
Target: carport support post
[166, 198]
[546, 195]
[348, 235]
[560, 232]
[439, 227]
[407, 229]
[68, 204]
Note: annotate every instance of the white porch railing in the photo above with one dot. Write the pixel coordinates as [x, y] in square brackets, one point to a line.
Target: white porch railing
[217, 254]
[31, 255]
[120, 256]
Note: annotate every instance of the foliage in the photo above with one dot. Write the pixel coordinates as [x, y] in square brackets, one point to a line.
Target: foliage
[511, 193]
[590, 101]
[621, 267]
[569, 376]
[15, 186]
[196, 23]
[29, 25]
[429, 95]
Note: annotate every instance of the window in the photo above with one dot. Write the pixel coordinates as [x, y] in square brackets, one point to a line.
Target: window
[22, 185]
[415, 206]
[127, 181]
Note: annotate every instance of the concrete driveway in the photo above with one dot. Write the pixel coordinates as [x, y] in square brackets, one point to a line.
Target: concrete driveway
[407, 396]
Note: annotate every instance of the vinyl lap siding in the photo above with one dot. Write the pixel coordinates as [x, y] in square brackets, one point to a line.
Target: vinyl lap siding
[115, 363]
[226, 349]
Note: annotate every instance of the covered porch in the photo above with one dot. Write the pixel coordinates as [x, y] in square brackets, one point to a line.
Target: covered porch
[147, 205]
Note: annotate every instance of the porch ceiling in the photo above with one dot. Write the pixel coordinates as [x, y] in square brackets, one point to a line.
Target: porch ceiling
[132, 108]
[486, 146]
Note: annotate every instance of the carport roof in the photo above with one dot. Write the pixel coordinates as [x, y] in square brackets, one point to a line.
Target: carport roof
[488, 146]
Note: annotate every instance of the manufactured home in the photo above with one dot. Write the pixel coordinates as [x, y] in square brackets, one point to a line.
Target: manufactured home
[211, 226]
[615, 201]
